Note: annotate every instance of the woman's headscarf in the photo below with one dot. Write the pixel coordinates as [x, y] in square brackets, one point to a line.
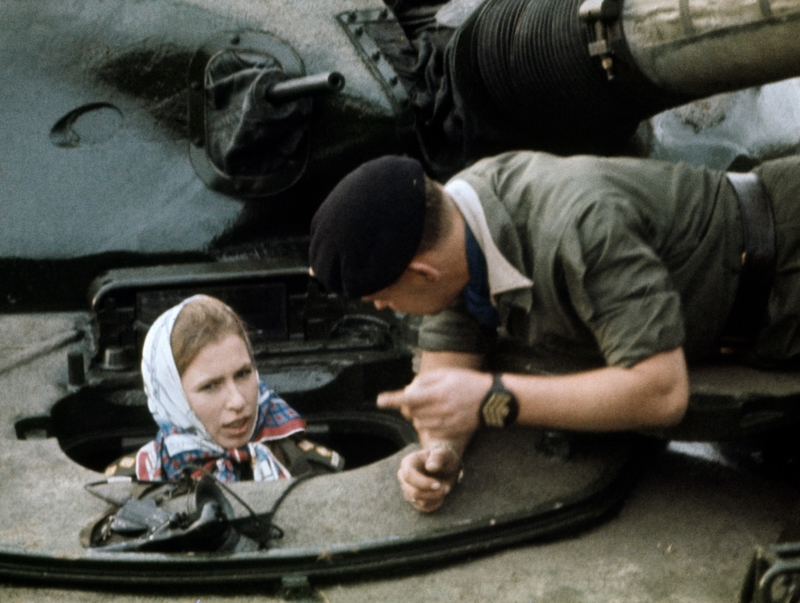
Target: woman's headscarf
[182, 439]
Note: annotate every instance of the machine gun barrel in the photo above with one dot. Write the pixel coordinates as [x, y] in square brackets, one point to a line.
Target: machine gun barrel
[318, 83]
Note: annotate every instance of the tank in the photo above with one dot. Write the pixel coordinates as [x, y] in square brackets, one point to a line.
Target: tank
[159, 149]
[137, 148]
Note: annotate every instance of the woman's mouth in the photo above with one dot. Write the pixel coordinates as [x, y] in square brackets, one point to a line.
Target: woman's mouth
[237, 428]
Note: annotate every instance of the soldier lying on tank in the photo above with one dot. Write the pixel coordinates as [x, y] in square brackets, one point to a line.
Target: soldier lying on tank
[212, 410]
[631, 265]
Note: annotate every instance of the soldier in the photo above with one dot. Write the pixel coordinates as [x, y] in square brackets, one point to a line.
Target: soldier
[629, 265]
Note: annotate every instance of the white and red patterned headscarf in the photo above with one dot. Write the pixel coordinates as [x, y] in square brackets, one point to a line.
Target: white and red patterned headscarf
[182, 438]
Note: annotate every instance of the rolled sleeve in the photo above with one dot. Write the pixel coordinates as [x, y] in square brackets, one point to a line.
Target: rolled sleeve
[619, 287]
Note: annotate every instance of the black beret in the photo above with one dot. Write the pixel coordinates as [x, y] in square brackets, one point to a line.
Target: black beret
[368, 229]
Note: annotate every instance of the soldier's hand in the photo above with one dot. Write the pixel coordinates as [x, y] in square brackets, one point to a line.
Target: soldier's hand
[427, 476]
[442, 404]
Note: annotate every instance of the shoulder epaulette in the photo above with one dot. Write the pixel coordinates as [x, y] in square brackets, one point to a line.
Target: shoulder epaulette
[321, 455]
[123, 467]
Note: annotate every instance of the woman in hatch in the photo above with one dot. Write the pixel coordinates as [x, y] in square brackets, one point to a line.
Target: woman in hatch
[212, 410]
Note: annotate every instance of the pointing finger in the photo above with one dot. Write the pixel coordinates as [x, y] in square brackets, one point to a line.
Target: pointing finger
[392, 400]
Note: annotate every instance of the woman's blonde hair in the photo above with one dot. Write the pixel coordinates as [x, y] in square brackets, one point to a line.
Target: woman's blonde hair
[203, 321]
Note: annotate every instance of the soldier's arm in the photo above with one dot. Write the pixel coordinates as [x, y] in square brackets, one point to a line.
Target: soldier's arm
[430, 361]
[444, 402]
[652, 393]
[427, 475]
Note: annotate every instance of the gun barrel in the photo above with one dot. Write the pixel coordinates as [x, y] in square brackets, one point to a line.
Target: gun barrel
[712, 47]
[318, 83]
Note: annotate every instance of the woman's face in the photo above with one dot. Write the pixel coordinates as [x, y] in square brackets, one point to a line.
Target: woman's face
[221, 386]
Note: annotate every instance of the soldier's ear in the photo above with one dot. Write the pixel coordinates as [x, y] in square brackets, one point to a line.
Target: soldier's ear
[425, 270]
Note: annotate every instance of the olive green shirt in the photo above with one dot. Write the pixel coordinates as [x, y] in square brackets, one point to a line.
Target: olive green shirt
[606, 260]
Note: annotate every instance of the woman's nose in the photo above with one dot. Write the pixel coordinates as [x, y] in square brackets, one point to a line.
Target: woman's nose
[235, 398]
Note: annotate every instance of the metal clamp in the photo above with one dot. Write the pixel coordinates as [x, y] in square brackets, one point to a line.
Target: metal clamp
[774, 575]
[605, 30]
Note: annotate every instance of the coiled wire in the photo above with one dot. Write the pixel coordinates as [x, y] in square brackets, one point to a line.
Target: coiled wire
[532, 56]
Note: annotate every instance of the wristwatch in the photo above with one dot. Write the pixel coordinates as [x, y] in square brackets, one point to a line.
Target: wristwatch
[499, 407]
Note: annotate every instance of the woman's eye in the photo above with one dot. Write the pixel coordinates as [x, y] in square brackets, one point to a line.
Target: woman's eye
[244, 373]
[209, 387]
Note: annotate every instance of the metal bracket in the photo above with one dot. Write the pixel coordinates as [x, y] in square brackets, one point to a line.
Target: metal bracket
[605, 30]
[296, 587]
[354, 23]
[774, 575]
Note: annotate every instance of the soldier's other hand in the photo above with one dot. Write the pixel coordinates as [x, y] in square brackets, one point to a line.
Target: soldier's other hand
[442, 404]
[427, 476]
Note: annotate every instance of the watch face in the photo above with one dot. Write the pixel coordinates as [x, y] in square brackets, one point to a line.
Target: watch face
[500, 408]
